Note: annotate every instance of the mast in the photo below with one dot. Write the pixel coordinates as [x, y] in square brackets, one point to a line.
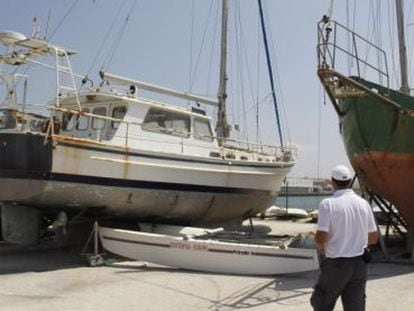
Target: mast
[270, 70]
[402, 47]
[222, 127]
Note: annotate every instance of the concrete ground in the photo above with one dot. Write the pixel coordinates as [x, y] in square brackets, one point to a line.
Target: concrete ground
[59, 279]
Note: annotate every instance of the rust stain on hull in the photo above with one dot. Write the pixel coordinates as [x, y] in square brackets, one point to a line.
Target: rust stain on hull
[391, 176]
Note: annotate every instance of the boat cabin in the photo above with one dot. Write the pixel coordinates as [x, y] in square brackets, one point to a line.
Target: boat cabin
[138, 123]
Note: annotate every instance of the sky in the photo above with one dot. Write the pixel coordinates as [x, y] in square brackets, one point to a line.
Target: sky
[174, 43]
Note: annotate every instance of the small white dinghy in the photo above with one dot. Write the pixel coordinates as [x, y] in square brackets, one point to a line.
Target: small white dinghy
[314, 215]
[291, 213]
[211, 250]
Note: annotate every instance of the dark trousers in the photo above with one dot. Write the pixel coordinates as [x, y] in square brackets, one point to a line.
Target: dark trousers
[345, 277]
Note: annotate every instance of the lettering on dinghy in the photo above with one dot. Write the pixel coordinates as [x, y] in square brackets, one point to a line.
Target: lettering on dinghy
[205, 247]
[189, 246]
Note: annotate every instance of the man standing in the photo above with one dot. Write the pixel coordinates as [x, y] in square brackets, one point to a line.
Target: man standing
[345, 228]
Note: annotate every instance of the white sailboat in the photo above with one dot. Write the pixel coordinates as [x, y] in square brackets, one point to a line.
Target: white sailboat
[107, 151]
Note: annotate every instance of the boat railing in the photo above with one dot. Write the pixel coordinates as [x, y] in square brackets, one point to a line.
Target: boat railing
[338, 45]
[280, 153]
[261, 149]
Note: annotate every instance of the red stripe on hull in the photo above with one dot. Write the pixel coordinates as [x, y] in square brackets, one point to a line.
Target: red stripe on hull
[391, 176]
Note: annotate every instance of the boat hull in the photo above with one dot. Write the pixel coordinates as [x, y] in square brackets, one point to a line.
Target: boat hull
[390, 176]
[379, 142]
[208, 255]
[107, 180]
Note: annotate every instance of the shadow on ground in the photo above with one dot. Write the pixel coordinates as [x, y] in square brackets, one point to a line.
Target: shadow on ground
[19, 260]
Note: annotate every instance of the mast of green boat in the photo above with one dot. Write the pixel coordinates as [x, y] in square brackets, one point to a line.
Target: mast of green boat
[402, 47]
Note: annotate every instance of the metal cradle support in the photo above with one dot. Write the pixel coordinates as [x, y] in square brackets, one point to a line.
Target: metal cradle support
[94, 259]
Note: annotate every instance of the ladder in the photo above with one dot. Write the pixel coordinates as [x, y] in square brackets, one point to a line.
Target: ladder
[65, 79]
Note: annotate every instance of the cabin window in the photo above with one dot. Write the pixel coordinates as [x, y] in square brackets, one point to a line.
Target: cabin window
[98, 123]
[82, 121]
[118, 113]
[163, 121]
[67, 121]
[37, 125]
[215, 154]
[244, 158]
[202, 130]
[7, 119]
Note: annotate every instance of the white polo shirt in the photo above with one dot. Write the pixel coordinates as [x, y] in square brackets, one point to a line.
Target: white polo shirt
[348, 219]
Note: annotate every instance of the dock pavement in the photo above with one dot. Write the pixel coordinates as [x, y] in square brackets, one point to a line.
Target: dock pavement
[59, 279]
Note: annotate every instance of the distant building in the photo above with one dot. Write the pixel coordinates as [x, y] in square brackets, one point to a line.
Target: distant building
[306, 186]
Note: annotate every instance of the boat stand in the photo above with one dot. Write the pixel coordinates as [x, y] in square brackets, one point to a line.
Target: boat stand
[397, 224]
[94, 259]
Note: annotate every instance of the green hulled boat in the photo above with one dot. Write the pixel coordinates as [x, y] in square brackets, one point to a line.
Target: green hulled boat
[376, 122]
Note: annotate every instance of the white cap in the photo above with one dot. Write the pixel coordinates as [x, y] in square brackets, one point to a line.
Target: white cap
[341, 173]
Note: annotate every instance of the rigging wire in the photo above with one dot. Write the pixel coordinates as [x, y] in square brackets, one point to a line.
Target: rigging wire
[258, 138]
[350, 46]
[240, 70]
[285, 128]
[213, 48]
[318, 157]
[391, 23]
[203, 39]
[270, 71]
[105, 38]
[265, 100]
[352, 61]
[233, 84]
[191, 43]
[276, 73]
[371, 21]
[212, 52]
[348, 37]
[242, 46]
[121, 32]
[49, 16]
[246, 62]
[411, 47]
[379, 40]
[354, 15]
[63, 18]
[331, 9]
